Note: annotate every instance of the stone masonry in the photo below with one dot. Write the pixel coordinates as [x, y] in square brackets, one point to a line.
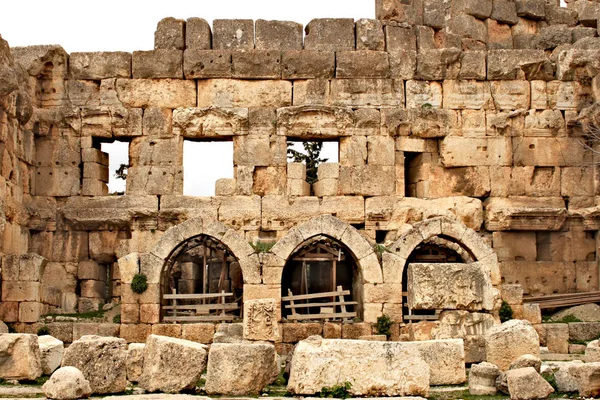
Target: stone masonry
[462, 122]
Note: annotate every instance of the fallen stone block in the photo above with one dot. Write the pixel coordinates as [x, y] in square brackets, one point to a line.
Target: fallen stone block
[102, 360]
[135, 361]
[507, 342]
[20, 356]
[588, 379]
[372, 368]
[167, 366]
[566, 376]
[52, 351]
[526, 383]
[526, 360]
[67, 383]
[240, 368]
[482, 379]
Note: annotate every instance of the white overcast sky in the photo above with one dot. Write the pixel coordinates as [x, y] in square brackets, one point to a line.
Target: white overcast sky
[129, 25]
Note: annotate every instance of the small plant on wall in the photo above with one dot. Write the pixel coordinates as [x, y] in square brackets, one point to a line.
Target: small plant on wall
[139, 283]
[506, 312]
[384, 325]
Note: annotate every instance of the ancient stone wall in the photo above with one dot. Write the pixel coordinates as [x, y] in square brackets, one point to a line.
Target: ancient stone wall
[460, 120]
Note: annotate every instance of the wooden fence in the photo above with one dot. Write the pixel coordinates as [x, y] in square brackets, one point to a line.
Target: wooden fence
[327, 309]
[205, 312]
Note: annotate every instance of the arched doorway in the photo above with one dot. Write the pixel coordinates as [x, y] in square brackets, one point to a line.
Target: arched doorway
[320, 282]
[435, 250]
[202, 281]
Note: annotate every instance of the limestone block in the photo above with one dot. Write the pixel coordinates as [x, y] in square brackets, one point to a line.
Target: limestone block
[421, 93]
[299, 121]
[506, 342]
[469, 27]
[466, 95]
[592, 351]
[577, 181]
[567, 95]
[504, 11]
[21, 355]
[210, 122]
[278, 35]
[438, 64]
[67, 383]
[135, 361]
[380, 150]
[557, 338]
[566, 376]
[531, 9]
[167, 367]
[330, 34]
[240, 368]
[149, 313]
[20, 291]
[473, 65]
[229, 333]
[513, 246]
[155, 180]
[362, 64]
[260, 320]
[328, 170]
[511, 95]
[434, 14]
[499, 35]
[295, 332]
[135, 333]
[233, 34]
[527, 383]
[51, 350]
[319, 363]
[163, 93]
[367, 180]
[552, 36]
[197, 34]
[256, 64]
[102, 360]
[471, 287]
[238, 93]
[30, 311]
[161, 63]
[587, 379]
[100, 65]
[57, 181]
[307, 64]
[399, 12]
[513, 64]
[269, 181]
[482, 379]
[27, 267]
[478, 9]
[367, 92]
[540, 151]
[326, 187]
[201, 333]
[457, 151]
[369, 35]
[170, 34]
[207, 63]
[400, 39]
[225, 187]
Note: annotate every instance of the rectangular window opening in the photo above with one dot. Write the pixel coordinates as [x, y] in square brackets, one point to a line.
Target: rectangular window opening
[118, 163]
[204, 163]
[309, 151]
[411, 173]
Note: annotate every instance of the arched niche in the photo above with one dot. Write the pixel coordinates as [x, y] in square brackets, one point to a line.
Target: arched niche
[442, 240]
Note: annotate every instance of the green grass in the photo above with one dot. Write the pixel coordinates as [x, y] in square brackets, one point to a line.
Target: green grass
[86, 315]
[564, 320]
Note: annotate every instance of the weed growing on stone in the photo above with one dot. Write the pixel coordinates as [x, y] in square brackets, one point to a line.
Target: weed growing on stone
[139, 283]
[506, 312]
[383, 326]
[262, 247]
[338, 391]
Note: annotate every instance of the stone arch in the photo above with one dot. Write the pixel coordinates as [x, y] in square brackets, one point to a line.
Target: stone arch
[179, 234]
[467, 238]
[328, 225]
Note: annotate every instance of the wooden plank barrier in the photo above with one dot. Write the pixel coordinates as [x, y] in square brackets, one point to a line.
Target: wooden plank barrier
[204, 312]
[326, 307]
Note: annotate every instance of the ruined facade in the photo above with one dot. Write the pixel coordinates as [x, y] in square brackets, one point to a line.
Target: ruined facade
[461, 131]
